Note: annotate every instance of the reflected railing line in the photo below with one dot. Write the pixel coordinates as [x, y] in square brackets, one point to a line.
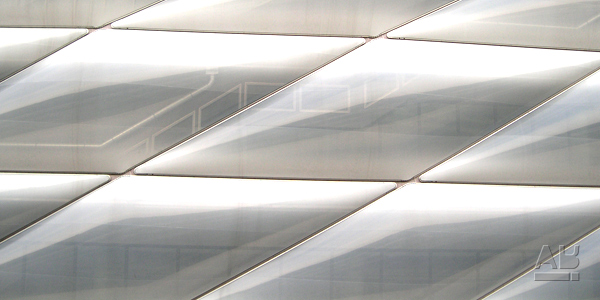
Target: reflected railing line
[399, 185]
[588, 21]
[167, 108]
[533, 268]
[511, 122]
[138, 124]
[247, 107]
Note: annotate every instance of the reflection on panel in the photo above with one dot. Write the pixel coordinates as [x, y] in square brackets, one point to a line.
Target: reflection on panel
[346, 17]
[557, 23]
[113, 98]
[66, 13]
[556, 144]
[426, 241]
[24, 198]
[167, 237]
[19, 47]
[386, 111]
[572, 274]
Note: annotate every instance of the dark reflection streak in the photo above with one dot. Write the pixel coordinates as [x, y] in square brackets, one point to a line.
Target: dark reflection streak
[41, 58]
[507, 124]
[78, 98]
[22, 229]
[385, 108]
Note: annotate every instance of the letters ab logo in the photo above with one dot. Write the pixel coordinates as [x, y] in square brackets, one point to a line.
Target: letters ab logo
[563, 261]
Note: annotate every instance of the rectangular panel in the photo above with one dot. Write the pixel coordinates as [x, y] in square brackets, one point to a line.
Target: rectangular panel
[24, 198]
[557, 144]
[542, 23]
[387, 111]
[309, 17]
[66, 13]
[20, 47]
[426, 241]
[89, 107]
[169, 238]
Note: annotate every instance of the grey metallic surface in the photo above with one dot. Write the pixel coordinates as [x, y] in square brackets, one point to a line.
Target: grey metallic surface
[19, 47]
[426, 241]
[311, 17]
[542, 23]
[116, 97]
[587, 286]
[557, 144]
[24, 198]
[66, 13]
[387, 111]
[169, 238]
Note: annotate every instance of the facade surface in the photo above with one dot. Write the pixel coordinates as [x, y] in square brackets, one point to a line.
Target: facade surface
[299, 149]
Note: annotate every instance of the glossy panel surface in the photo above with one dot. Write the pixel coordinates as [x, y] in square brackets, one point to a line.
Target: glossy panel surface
[340, 17]
[169, 238]
[557, 144]
[66, 13]
[555, 24]
[386, 111]
[20, 47]
[426, 241]
[578, 270]
[115, 97]
[24, 198]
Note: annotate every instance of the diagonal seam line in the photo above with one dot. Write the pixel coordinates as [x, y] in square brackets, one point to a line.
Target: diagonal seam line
[243, 109]
[43, 56]
[124, 132]
[476, 43]
[366, 36]
[506, 125]
[299, 243]
[419, 17]
[55, 211]
[532, 268]
[495, 44]
[130, 13]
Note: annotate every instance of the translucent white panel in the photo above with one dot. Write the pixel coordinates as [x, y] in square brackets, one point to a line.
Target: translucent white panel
[168, 237]
[386, 111]
[66, 13]
[115, 97]
[24, 198]
[543, 23]
[345, 17]
[426, 241]
[556, 144]
[572, 274]
[20, 47]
